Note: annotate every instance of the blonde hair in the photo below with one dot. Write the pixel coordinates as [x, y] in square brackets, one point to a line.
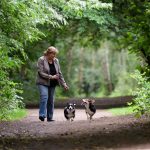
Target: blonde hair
[50, 49]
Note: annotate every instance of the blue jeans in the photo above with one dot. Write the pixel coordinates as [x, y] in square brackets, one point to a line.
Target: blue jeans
[46, 107]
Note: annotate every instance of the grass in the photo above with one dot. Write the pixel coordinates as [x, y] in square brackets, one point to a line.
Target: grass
[121, 111]
[17, 114]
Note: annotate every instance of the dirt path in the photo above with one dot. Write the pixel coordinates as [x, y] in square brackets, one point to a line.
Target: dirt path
[59, 116]
[104, 132]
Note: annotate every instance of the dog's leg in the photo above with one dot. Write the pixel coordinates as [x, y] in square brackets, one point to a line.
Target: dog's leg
[87, 116]
[90, 117]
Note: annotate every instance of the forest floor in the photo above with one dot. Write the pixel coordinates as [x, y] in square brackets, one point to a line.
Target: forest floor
[103, 132]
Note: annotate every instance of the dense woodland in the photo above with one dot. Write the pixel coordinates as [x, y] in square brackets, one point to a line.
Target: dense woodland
[101, 46]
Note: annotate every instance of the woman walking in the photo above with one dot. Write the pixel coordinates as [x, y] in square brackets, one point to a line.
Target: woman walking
[49, 75]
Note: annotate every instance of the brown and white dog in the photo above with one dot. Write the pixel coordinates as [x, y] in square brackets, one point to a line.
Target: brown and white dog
[90, 109]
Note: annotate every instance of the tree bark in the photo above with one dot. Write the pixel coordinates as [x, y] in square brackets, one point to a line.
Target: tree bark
[80, 76]
[106, 70]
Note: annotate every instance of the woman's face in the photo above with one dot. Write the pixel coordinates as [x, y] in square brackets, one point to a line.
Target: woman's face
[51, 56]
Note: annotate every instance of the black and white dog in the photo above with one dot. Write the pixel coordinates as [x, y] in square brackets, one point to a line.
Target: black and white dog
[69, 111]
[90, 109]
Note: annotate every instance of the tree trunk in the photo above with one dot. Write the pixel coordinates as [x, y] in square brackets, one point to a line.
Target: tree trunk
[80, 75]
[106, 70]
[70, 59]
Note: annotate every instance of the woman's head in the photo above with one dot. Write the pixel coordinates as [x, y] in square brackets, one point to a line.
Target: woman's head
[50, 50]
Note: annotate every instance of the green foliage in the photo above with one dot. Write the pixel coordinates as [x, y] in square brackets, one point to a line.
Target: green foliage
[122, 111]
[19, 21]
[9, 90]
[133, 27]
[9, 98]
[16, 114]
[142, 94]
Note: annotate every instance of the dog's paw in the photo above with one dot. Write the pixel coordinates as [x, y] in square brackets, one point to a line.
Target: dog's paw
[71, 119]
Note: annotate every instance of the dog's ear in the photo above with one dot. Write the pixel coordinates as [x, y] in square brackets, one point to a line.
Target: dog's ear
[84, 100]
[89, 100]
[93, 101]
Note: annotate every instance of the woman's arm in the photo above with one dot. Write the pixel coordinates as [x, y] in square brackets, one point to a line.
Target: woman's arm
[40, 68]
[61, 78]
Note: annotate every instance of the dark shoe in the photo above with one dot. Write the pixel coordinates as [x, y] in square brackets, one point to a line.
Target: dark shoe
[41, 118]
[50, 120]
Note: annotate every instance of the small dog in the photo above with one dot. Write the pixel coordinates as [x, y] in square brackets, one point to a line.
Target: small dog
[90, 109]
[69, 111]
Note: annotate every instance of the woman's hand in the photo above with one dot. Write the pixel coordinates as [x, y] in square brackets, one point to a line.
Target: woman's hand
[54, 77]
[66, 87]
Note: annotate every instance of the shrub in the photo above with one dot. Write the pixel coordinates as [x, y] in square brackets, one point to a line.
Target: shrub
[142, 94]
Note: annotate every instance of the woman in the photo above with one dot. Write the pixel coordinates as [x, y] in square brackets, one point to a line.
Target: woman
[48, 77]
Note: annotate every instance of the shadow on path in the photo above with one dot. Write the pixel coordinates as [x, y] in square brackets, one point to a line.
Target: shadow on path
[104, 132]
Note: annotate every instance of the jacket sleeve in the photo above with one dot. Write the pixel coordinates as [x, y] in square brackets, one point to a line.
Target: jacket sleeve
[61, 78]
[40, 68]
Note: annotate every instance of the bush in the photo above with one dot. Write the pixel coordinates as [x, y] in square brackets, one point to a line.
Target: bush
[10, 98]
[9, 90]
[142, 94]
